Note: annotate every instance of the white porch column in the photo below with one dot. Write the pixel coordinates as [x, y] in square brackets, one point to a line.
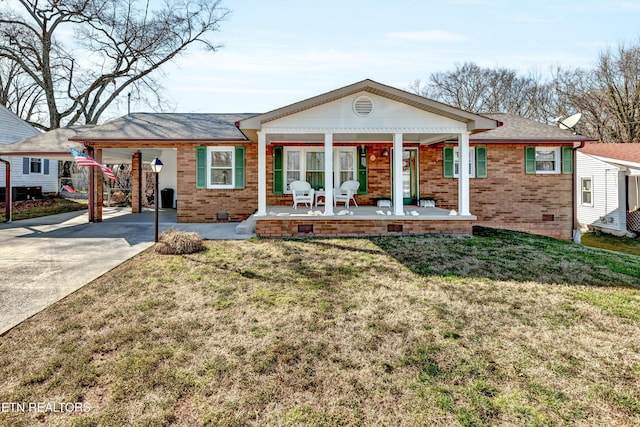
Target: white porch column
[262, 174]
[463, 181]
[397, 174]
[328, 174]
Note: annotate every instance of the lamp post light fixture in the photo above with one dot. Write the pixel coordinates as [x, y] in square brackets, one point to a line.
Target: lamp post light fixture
[156, 167]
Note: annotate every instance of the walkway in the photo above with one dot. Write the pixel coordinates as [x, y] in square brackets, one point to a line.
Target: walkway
[45, 259]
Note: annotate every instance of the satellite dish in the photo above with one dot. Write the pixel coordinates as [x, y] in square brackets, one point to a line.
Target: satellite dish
[569, 122]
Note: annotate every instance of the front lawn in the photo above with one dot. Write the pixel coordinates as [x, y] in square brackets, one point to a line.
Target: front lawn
[27, 209]
[501, 329]
[613, 243]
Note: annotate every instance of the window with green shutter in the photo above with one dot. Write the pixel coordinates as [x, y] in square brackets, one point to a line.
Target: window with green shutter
[363, 172]
[567, 160]
[481, 162]
[239, 167]
[201, 167]
[448, 159]
[530, 160]
[278, 178]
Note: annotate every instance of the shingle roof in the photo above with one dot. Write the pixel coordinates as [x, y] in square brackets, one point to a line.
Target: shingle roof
[516, 128]
[54, 143]
[167, 126]
[629, 152]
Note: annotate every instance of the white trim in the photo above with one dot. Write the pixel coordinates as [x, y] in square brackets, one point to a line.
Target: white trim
[386, 130]
[397, 174]
[328, 178]
[262, 174]
[211, 149]
[463, 181]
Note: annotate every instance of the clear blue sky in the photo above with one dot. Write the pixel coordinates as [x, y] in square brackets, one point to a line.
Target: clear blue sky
[277, 52]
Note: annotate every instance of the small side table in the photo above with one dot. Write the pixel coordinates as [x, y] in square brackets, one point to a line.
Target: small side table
[319, 194]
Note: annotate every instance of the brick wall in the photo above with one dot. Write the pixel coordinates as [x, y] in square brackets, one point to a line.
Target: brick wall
[204, 205]
[274, 227]
[507, 198]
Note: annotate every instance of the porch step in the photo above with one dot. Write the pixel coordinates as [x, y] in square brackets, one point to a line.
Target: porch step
[248, 226]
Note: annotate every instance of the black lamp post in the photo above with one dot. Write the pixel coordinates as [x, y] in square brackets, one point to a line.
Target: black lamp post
[156, 167]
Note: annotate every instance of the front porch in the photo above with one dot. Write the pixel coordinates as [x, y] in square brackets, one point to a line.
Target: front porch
[285, 221]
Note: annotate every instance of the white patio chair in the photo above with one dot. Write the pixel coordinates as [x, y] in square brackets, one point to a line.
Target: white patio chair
[346, 193]
[302, 193]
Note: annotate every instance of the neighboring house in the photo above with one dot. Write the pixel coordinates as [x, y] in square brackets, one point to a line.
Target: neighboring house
[27, 173]
[399, 146]
[608, 194]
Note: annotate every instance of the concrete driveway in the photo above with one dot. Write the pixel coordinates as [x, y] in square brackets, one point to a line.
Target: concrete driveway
[43, 260]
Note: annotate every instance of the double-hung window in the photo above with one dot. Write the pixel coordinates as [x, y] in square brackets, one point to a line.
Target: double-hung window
[35, 165]
[586, 191]
[456, 162]
[220, 167]
[549, 160]
[308, 163]
[477, 162]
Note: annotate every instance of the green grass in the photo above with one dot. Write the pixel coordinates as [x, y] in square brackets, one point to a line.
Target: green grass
[37, 208]
[612, 243]
[503, 328]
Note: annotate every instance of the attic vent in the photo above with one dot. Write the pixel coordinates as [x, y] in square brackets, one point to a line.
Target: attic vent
[363, 106]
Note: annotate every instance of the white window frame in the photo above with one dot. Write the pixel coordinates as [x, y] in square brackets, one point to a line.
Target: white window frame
[456, 162]
[582, 192]
[31, 163]
[318, 149]
[212, 149]
[558, 160]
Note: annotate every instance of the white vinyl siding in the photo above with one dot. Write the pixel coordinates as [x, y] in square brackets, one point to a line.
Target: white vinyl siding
[608, 208]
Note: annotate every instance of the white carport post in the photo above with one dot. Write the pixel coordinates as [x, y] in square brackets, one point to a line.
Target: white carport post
[262, 174]
[463, 181]
[328, 174]
[397, 174]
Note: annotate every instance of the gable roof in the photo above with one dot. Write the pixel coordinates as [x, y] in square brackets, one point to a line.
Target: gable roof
[13, 127]
[517, 128]
[167, 127]
[53, 144]
[614, 152]
[475, 122]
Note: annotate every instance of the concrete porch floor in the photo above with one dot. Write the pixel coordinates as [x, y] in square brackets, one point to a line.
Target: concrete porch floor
[365, 212]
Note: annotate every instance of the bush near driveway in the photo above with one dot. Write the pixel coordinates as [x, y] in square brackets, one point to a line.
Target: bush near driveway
[500, 329]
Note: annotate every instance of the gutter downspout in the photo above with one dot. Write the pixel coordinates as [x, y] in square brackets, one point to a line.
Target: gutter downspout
[7, 191]
[574, 211]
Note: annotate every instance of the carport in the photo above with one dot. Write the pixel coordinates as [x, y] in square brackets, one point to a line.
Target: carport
[55, 145]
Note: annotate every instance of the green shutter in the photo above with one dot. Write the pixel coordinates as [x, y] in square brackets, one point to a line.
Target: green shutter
[45, 166]
[278, 178]
[201, 167]
[530, 160]
[481, 162]
[447, 154]
[26, 165]
[567, 160]
[363, 170]
[239, 166]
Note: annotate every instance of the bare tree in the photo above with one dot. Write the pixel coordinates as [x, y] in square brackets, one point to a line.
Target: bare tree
[81, 55]
[608, 95]
[476, 89]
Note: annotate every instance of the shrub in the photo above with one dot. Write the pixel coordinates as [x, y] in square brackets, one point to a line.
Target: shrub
[174, 242]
